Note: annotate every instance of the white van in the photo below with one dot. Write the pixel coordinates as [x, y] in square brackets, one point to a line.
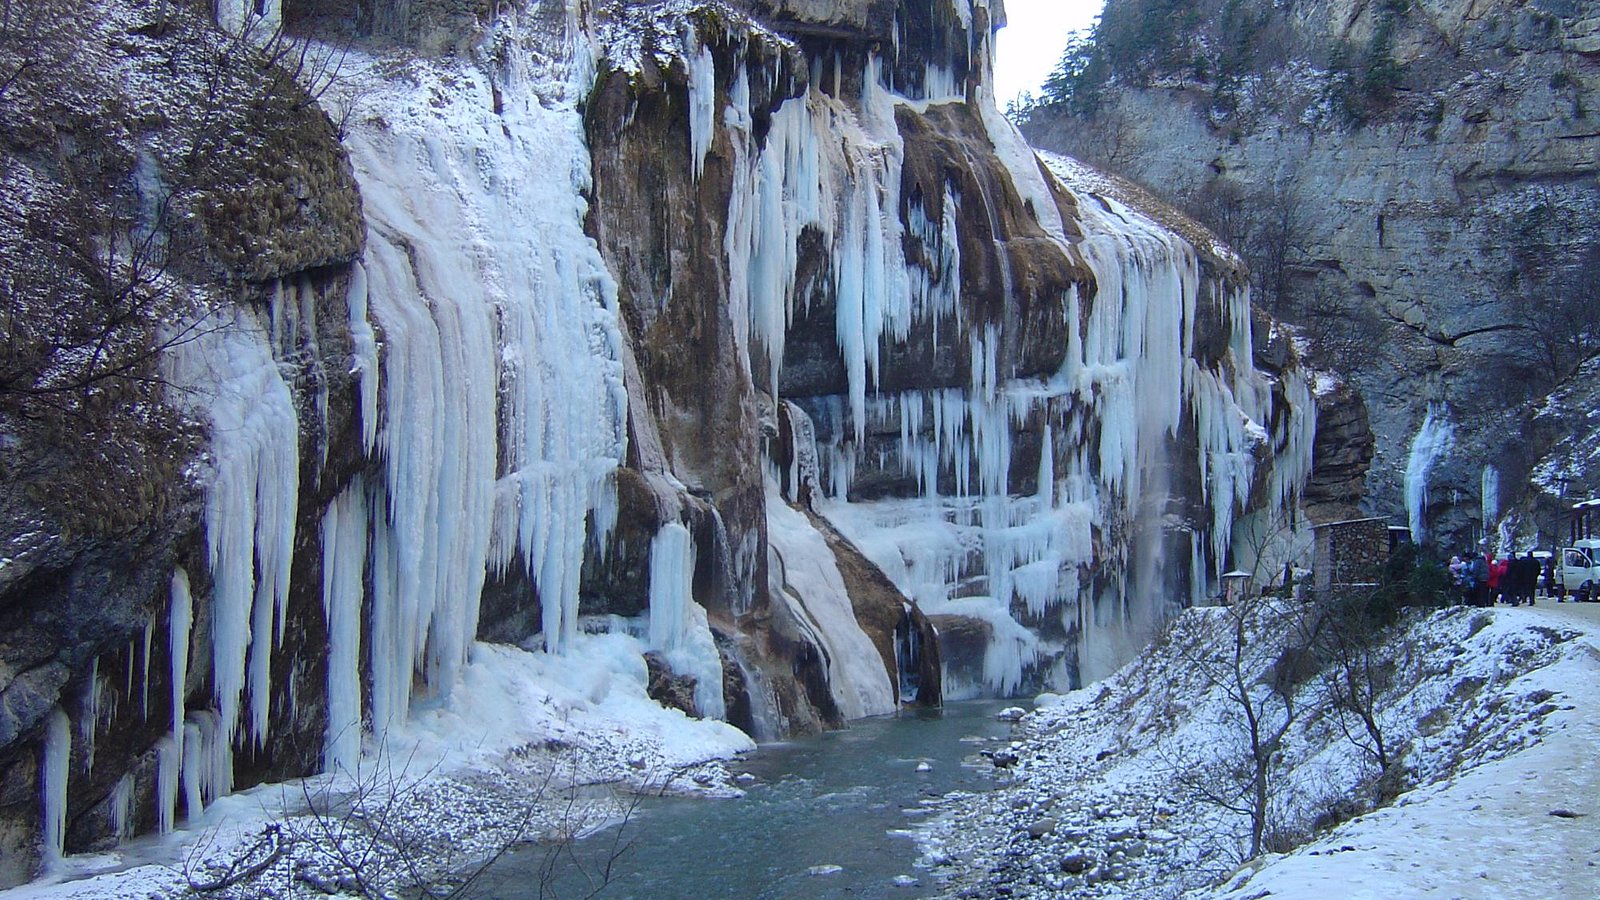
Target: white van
[1580, 569]
[1579, 561]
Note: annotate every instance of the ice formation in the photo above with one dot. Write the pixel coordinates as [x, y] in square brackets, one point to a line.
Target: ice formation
[122, 820]
[181, 621]
[804, 576]
[344, 561]
[231, 377]
[678, 627]
[1111, 417]
[1433, 440]
[169, 764]
[1129, 378]
[53, 778]
[503, 412]
[495, 412]
[1491, 496]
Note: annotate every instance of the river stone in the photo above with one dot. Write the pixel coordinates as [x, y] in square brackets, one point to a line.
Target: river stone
[1075, 863]
[1041, 828]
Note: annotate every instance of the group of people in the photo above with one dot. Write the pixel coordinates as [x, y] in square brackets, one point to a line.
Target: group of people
[1484, 580]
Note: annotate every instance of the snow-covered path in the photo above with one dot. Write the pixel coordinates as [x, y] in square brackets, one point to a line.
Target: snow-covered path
[1492, 832]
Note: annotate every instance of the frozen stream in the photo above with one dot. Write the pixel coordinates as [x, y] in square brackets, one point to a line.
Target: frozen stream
[838, 799]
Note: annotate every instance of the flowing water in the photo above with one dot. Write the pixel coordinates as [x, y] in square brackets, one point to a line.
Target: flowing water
[845, 799]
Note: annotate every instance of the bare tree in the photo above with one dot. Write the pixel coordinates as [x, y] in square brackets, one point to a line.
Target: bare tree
[1562, 316]
[1240, 654]
[1277, 239]
[370, 833]
[1355, 676]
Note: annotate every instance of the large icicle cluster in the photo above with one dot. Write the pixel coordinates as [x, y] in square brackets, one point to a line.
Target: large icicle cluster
[230, 376]
[824, 167]
[1108, 421]
[503, 412]
[493, 401]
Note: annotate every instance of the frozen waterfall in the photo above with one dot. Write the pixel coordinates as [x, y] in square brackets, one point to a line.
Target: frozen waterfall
[1433, 440]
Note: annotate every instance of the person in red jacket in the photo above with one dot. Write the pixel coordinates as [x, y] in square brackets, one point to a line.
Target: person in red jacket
[1497, 573]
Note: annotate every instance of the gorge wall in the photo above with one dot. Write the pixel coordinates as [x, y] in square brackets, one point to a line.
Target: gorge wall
[1415, 185]
[755, 338]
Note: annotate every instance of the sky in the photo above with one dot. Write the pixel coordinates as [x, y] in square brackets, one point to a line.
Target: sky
[1030, 45]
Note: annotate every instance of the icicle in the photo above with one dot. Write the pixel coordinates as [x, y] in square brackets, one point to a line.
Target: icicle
[702, 101]
[121, 807]
[144, 657]
[207, 756]
[251, 503]
[364, 356]
[53, 782]
[169, 762]
[344, 556]
[193, 766]
[182, 620]
[90, 721]
[678, 627]
[1491, 496]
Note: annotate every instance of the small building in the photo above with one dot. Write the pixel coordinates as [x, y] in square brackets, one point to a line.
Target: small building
[1349, 554]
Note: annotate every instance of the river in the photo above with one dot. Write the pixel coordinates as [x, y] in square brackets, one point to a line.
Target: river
[843, 799]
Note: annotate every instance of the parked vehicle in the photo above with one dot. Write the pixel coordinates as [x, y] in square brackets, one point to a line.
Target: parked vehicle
[1579, 561]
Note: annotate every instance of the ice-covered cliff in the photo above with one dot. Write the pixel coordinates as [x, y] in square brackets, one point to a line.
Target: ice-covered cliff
[755, 341]
[1414, 184]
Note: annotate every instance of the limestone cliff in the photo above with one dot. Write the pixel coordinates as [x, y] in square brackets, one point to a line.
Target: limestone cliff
[1415, 186]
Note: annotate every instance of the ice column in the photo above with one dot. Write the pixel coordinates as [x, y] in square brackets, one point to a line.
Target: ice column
[1432, 441]
[169, 763]
[1491, 496]
[182, 620]
[57, 756]
[122, 808]
[344, 559]
[678, 626]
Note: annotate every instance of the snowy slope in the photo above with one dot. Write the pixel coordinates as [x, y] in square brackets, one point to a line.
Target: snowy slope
[1116, 789]
[1496, 830]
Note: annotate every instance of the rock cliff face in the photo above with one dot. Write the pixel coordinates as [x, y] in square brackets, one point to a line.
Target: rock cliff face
[1415, 185]
[756, 337]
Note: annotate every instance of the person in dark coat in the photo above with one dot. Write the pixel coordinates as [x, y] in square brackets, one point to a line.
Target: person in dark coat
[1528, 577]
[1478, 572]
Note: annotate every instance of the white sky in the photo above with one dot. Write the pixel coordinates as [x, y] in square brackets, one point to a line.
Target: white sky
[1030, 45]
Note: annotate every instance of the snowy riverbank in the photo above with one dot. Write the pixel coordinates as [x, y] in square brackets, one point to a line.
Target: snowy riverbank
[1131, 787]
[499, 765]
